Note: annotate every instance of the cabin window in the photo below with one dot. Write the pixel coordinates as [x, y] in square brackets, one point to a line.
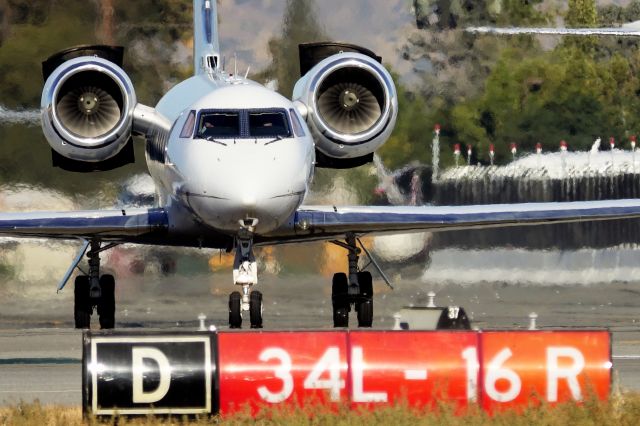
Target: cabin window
[219, 124]
[189, 124]
[295, 123]
[268, 124]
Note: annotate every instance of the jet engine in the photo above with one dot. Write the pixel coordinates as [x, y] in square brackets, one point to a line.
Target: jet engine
[349, 101]
[87, 108]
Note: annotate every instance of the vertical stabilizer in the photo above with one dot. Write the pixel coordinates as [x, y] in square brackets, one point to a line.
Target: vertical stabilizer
[206, 48]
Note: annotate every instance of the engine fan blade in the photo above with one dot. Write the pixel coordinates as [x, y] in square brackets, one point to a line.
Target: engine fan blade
[349, 108]
[88, 111]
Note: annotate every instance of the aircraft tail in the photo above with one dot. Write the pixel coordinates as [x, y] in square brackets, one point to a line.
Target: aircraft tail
[206, 47]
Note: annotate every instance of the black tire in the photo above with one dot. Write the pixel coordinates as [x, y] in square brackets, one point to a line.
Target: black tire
[107, 302]
[235, 306]
[365, 282]
[255, 309]
[81, 302]
[365, 304]
[340, 300]
[365, 314]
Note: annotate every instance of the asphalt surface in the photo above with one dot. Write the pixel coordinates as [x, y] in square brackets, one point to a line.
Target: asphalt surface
[40, 353]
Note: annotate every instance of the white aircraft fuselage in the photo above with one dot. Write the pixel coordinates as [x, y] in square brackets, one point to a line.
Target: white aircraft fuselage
[238, 176]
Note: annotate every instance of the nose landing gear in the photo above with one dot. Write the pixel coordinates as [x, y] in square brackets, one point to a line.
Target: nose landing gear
[245, 274]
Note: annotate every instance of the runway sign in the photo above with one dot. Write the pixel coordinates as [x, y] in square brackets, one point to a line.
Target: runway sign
[198, 373]
[521, 368]
[160, 373]
[267, 368]
[357, 367]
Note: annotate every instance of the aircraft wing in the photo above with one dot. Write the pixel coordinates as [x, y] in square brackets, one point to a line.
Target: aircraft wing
[319, 222]
[114, 225]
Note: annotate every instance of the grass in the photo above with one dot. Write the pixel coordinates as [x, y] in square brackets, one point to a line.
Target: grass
[619, 410]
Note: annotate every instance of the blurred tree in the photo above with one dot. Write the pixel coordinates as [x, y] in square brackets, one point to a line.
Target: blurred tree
[453, 65]
[411, 138]
[300, 25]
[582, 13]
[550, 97]
[37, 31]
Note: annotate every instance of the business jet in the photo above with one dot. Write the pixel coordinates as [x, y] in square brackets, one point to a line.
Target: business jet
[232, 162]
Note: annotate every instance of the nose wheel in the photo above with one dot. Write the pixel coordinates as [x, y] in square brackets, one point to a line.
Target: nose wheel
[245, 274]
[255, 309]
[235, 310]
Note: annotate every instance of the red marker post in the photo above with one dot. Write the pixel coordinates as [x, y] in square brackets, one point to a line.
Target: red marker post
[612, 142]
[538, 148]
[632, 140]
[563, 146]
[492, 152]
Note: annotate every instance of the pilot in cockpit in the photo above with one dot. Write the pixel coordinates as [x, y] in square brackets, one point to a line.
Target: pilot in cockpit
[207, 128]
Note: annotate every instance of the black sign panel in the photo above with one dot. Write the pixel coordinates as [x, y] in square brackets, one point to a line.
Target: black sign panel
[159, 373]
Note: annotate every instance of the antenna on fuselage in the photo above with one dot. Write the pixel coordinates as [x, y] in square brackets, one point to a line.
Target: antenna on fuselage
[246, 74]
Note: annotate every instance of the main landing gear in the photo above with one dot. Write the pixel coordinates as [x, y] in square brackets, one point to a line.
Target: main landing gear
[355, 291]
[245, 274]
[94, 291]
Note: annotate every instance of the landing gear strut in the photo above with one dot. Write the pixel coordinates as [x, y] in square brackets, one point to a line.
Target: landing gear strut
[356, 291]
[245, 274]
[94, 291]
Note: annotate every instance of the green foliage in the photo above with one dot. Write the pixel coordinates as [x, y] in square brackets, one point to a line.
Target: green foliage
[500, 90]
[300, 26]
[550, 97]
[411, 139]
[582, 13]
[29, 44]
[450, 14]
[614, 14]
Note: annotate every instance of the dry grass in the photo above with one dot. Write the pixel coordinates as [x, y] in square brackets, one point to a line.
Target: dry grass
[620, 410]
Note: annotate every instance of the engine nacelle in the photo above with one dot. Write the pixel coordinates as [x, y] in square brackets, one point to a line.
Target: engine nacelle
[87, 109]
[351, 107]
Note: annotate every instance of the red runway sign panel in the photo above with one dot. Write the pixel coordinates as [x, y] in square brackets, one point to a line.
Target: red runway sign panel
[258, 369]
[520, 368]
[417, 367]
[495, 369]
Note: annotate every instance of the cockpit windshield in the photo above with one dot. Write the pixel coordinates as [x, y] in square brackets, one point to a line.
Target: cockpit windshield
[219, 124]
[258, 123]
[268, 124]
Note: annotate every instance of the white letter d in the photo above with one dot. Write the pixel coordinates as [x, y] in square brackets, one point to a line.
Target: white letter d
[138, 355]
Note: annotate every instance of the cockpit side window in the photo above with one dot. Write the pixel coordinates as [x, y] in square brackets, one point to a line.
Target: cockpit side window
[219, 124]
[189, 124]
[268, 124]
[295, 123]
